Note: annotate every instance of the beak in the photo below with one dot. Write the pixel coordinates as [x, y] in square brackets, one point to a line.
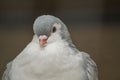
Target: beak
[43, 40]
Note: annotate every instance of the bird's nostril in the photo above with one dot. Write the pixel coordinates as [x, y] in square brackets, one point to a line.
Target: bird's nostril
[43, 37]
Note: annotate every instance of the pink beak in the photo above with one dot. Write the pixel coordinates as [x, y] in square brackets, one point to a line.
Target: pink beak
[43, 40]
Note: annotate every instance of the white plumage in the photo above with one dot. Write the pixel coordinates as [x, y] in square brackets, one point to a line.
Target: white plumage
[58, 59]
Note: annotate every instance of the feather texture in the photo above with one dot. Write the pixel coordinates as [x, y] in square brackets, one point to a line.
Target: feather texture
[59, 59]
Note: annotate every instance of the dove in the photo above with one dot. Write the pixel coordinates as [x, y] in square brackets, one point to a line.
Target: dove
[51, 55]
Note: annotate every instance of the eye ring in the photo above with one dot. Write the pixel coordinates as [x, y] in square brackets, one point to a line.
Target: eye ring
[54, 29]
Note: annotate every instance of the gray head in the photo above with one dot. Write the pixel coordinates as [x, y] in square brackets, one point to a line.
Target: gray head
[52, 27]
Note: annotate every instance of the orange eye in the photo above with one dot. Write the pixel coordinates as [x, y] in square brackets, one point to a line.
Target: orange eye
[54, 29]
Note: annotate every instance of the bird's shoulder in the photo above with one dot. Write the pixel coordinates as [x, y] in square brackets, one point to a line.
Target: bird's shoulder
[6, 75]
[90, 67]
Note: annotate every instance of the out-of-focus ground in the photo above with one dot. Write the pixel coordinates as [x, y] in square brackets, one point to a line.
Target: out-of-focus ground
[102, 43]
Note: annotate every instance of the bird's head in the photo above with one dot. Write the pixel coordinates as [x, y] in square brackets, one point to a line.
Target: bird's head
[50, 29]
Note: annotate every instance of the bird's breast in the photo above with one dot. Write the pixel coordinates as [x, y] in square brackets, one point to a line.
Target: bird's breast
[57, 67]
[55, 62]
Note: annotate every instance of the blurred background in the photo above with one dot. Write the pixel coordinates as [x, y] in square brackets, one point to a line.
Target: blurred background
[94, 26]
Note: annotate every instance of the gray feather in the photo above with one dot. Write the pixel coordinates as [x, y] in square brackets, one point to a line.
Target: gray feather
[90, 67]
[6, 75]
[43, 26]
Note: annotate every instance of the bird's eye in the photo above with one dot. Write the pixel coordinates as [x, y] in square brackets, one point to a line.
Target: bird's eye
[54, 29]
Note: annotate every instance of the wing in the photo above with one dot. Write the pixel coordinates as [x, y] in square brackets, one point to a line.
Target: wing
[91, 68]
[6, 75]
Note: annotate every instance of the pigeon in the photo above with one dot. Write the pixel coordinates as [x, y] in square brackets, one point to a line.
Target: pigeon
[51, 55]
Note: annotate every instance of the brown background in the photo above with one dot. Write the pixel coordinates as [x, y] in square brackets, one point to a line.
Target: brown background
[94, 26]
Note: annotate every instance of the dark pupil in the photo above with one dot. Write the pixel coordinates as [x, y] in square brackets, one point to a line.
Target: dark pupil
[54, 29]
